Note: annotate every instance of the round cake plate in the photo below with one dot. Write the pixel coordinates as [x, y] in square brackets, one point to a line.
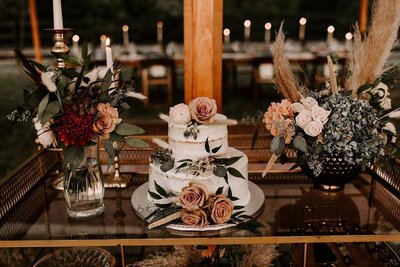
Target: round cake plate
[143, 208]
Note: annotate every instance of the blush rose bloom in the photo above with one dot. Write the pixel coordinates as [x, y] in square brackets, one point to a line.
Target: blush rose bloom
[180, 113]
[320, 114]
[285, 109]
[113, 112]
[203, 110]
[194, 218]
[104, 125]
[303, 118]
[297, 107]
[309, 102]
[221, 209]
[313, 128]
[193, 196]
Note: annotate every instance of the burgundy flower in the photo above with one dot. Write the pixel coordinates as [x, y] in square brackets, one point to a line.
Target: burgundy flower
[74, 129]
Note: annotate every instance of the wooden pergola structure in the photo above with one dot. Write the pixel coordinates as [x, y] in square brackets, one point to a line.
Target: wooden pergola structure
[202, 45]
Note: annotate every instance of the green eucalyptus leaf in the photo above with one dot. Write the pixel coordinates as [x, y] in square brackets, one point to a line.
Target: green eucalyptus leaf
[167, 165]
[216, 149]
[69, 73]
[42, 107]
[363, 88]
[136, 142]
[72, 60]
[275, 144]
[300, 143]
[185, 160]
[128, 129]
[160, 190]
[318, 148]
[154, 195]
[231, 160]
[207, 146]
[116, 137]
[107, 80]
[219, 190]
[238, 207]
[234, 172]
[51, 110]
[109, 148]
[220, 171]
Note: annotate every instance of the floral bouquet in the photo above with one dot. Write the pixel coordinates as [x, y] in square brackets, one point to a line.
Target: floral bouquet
[73, 108]
[350, 118]
[77, 109]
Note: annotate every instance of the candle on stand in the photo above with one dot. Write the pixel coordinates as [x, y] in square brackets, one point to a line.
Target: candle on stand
[160, 25]
[267, 36]
[125, 35]
[57, 15]
[329, 37]
[103, 39]
[227, 37]
[302, 29]
[109, 60]
[349, 37]
[75, 46]
[247, 25]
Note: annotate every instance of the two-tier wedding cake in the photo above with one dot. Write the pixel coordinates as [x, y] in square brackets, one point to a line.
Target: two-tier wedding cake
[198, 152]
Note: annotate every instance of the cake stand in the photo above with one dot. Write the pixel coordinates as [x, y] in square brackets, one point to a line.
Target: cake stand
[143, 208]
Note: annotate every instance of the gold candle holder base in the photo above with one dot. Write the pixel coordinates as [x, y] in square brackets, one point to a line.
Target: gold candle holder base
[116, 180]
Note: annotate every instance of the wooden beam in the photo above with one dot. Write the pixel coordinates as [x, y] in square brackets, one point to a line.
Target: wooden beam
[35, 30]
[203, 49]
[363, 21]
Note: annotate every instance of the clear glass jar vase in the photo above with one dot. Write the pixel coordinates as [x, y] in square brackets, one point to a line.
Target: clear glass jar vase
[83, 182]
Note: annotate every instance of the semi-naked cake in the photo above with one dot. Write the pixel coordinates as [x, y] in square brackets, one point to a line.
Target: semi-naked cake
[198, 152]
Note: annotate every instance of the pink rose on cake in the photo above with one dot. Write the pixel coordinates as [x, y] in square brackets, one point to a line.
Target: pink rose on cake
[203, 110]
[193, 196]
[194, 218]
[221, 209]
[180, 113]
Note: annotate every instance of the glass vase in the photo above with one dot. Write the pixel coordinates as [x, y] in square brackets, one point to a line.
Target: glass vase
[83, 183]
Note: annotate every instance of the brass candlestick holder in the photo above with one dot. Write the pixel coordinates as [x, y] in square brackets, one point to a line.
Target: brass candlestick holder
[59, 48]
[117, 179]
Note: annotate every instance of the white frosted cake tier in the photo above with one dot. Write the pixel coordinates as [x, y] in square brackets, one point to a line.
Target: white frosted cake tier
[173, 181]
[190, 148]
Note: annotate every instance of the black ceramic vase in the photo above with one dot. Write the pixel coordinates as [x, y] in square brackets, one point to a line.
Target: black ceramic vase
[336, 172]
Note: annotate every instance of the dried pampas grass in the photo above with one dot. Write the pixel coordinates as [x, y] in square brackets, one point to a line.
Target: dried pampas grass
[259, 255]
[183, 256]
[284, 79]
[367, 57]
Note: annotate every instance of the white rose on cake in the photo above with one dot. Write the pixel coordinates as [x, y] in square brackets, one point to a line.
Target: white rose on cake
[180, 114]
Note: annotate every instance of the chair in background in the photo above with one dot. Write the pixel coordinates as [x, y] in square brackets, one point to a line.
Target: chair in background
[157, 72]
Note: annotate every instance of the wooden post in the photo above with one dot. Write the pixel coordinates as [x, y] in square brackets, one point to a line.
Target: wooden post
[35, 30]
[363, 22]
[203, 49]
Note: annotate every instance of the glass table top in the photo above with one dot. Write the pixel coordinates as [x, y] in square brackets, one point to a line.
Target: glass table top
[293, 212]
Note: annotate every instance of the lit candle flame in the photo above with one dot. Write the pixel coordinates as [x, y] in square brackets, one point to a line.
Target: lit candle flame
[349, 36]
[160, 24]
[125, 28]
[226, 32]
[247, 23]
[268, 26]
[103, 38]
[303, 21]
[75, 38]
[331, 29]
